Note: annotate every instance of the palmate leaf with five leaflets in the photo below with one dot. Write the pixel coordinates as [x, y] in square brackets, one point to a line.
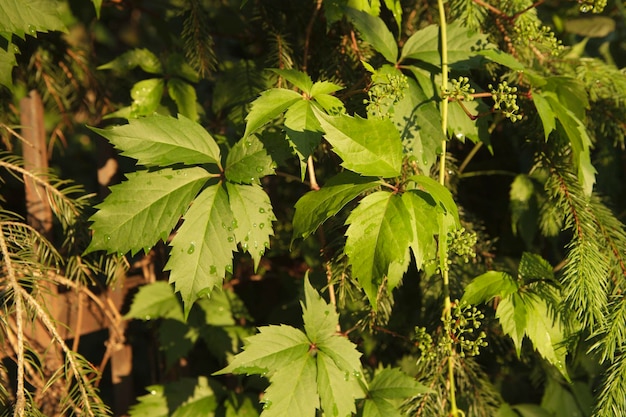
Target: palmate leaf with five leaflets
[144, 209]
[203, 247]
[307, 370]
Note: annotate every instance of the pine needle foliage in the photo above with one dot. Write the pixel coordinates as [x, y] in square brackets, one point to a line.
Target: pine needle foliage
[198, 42]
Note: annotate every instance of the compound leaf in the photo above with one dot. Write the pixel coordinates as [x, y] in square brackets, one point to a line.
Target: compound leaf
[252, 210]
[491, 284]
[315, 207]
[338, 389]
[268, 106]
[202, 248]
[248, 161]
[371, 147]
[162, 140]
[144, 209]
[155, 300]
[378, 234]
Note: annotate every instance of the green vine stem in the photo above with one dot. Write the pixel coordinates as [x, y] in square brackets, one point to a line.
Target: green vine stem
[443, 253]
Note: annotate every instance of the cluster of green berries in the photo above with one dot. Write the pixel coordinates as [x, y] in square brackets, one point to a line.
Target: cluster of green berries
[505, 98]
[465, 321]
[462, 243]
[424, 343]
[383, 95]
[595, 6]
[460, 90]
[532, 33]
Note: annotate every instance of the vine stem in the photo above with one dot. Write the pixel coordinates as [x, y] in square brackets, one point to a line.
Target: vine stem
[443, 254]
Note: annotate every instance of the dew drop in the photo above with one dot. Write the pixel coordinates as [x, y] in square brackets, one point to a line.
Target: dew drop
[229, 268]
[459, 135]
[192, 248]
[153, 392]
[147, 318]
[326, 312]
[253, 224]
[267, 404]
[252, 179]
[356, 374]
[213, 270]
[261, 210]
[247, 238]
[256, 244]
[261, 252]
[32, 30]
[107, 237]
[346, 376]
[261, 225]
[231, 239]
[259, 169]
[244, 246]
[248, 143]
[229, 228]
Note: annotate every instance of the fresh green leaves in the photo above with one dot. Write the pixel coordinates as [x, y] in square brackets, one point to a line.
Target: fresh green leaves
[185, 397]
[374, 31]
[217, 215]
[389, 387]
[317, 368]
[23, 17]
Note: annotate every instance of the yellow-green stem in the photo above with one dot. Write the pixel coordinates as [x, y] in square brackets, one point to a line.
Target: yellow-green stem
[447, 307]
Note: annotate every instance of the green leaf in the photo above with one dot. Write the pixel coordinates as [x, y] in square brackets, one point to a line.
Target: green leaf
[513, 317]
[441, 195]
[423, 217]
[463, 44]
[390, 386]
[337, 392]
[378, 234]
[374, 31]
[293, 391]
[154, 301]
[575, 130]
[268, 106]
[370, 147]
[248, 161]
[146, 95]
[315, 207]
[546, 333]
[523, 206]
[571, 94]
[331, 104]
[303, 130]
[97, 4]
[176, 339]
[419, 122]
[320, 318]
[133, 58]
[23, 17]
[297, 78]
[7, 62]
[184, 395]
[502, 58]
[202, 248]
[184, 95]
[547, 116]
[533, 267]
[461, 126]
[252, 210]
[489, 285]
[144, 209]
[273, 348]
[162, 140]
[178, 66]
[324, 88]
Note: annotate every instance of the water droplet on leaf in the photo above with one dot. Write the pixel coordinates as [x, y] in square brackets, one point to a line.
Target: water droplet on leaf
[192, 248]
[259, 169]
[229, 268]
[213, 270]
[261, 225]
[231, 239]
[267, 404]
[261, 210]
[107, 237]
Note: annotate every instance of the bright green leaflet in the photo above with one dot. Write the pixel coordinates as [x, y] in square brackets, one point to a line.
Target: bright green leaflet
[301, 365]
[441, 195]
[203, 247]
[489, 285]
[315, 207]
[184, 95]
[268, 106]
[389, 387]
[423, 217]
[303, 131]
[463, 44]
[146, 95]
[155, 300]
[378, 234]
[162, 140]
[375, 32]
[144, 209]
[297, 78]
[23, 17]
[7, 62]
[248, 161]
[143, 58]
[324, 88]
[370, 147]
[252, 210]
[177, 65]
[177, 399]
